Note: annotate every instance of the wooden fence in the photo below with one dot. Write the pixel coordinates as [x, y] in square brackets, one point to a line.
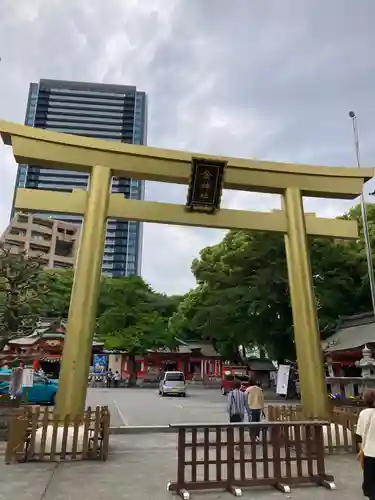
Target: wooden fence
[8, 408]
[229, 456]
[37, 433]
[338, 436]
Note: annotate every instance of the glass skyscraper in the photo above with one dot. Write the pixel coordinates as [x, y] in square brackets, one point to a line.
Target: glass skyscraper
[113, 112]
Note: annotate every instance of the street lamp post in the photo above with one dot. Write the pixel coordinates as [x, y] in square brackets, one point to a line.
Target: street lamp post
[366, 234]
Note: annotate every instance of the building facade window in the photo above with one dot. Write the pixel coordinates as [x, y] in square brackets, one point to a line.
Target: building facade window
[116, 113]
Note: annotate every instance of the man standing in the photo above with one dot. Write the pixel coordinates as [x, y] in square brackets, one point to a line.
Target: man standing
[236, 403]
[109, 378]
[236, 407]
[116, 379]
[255, 405]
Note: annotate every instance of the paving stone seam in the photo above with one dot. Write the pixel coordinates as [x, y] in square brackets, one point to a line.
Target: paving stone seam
[50, 479]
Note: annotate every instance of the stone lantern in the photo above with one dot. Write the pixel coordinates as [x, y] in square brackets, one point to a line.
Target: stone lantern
[367, 363]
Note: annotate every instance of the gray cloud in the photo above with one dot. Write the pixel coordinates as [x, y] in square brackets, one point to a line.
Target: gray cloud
[271, 79]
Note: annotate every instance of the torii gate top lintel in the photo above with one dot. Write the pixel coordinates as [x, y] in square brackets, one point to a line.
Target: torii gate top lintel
[59, 150]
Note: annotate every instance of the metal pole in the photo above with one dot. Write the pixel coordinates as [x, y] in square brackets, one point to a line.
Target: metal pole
[366, 234]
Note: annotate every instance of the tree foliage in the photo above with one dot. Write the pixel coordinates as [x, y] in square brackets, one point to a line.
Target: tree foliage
[21, 293]
[128, 305]
[58, 282]
[242, 293]
[134, 318]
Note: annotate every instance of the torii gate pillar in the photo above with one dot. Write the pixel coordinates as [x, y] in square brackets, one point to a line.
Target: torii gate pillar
[84, 297]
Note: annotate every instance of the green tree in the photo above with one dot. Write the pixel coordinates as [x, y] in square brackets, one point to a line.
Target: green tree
[228, 306]
[134, 318]
[357, 247]
[149, 332]
[242, 294]
[21, 291]
[180, 323]
[59, 284]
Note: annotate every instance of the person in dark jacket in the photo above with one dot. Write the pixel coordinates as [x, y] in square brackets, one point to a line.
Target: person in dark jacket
[236, 407]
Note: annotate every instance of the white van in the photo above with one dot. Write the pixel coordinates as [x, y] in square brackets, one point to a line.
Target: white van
[173, 383]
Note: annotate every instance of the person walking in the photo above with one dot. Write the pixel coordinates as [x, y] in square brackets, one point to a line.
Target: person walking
[109, 378]
[236, 403]
[116, 379]
[366, 432]
[254, 406]
[236, 406]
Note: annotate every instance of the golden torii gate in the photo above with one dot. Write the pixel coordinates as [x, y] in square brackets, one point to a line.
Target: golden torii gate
[104, 159]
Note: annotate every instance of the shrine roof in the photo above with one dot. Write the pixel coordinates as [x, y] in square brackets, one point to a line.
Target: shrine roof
[52, 335]
[261, 365]
[354, 336]
[44, 334]
[207, 351]
[189, 346]
[204, 349]
[24, 340]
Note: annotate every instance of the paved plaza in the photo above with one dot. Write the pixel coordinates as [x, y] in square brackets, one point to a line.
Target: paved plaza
[139, 468]
[140, 465]
[146, 407]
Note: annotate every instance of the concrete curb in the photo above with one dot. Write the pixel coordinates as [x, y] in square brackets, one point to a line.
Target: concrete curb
[142, 429]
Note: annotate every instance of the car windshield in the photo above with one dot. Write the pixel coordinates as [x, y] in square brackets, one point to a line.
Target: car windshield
[174, 377]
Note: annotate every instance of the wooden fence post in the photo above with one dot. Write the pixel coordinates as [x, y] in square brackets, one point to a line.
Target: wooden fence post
[181, 459]
[230, 458]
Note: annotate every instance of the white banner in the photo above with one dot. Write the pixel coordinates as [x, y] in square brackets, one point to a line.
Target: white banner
[282, 380]
[28, 377]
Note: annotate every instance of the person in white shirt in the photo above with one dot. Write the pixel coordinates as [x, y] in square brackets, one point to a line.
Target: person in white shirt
[366, 432]
[116, 379]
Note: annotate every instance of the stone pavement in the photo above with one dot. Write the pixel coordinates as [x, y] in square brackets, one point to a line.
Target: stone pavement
[139, 468]
[131, 406]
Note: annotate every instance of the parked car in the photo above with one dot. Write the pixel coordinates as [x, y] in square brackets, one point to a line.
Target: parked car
[42, 392]
[173, 383]
[230, 374]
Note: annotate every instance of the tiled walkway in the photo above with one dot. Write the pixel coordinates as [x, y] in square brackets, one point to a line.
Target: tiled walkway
[139, 469]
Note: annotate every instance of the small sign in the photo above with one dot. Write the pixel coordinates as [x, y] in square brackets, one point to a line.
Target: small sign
[282, 380]
[28, 377]
[239, 372]
[100, 363]
[206, 185]
[52, 342]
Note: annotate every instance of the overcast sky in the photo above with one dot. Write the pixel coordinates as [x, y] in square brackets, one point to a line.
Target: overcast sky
[268, 79]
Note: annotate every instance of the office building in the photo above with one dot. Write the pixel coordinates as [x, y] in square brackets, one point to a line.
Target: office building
[112, 112]
[52, 241]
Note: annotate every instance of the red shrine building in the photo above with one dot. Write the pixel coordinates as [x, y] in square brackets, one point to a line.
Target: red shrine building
[197, 360]
[43, 348]
[343, 350]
